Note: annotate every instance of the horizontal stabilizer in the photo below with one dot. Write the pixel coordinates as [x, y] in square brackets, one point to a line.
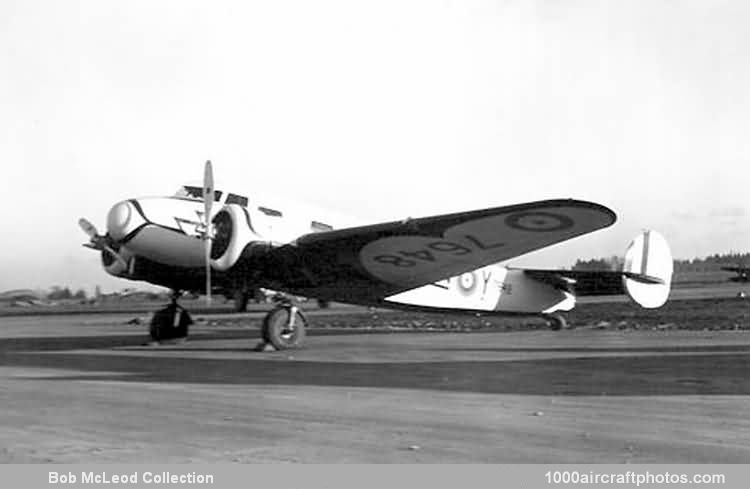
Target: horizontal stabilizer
[644, 279]
[646, 276]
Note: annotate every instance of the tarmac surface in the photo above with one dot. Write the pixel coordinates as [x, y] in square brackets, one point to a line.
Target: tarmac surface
[82, 388]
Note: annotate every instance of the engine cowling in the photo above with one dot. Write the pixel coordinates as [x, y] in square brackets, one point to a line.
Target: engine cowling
[233, 232]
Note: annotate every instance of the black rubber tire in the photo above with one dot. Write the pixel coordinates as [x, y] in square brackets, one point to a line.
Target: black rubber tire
[275, 331]
[556, 322]
[163, 325]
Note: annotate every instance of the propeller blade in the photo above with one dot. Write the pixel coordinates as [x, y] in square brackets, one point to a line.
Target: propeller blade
[116, 255]
[98, 242]
[208, 202]
[208, 190]
[88, 228]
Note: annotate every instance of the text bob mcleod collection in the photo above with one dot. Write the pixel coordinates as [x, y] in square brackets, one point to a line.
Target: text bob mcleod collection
[135, 477]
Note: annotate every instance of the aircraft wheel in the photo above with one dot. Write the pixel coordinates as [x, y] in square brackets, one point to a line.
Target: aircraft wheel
[556, 322]
[171, 322]
[284, 328]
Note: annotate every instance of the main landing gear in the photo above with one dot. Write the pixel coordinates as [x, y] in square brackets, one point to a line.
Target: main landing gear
[283, 327]
[556, 322]
[170, 323]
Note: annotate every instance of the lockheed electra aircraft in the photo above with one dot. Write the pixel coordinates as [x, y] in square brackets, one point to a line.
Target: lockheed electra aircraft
[205, 239]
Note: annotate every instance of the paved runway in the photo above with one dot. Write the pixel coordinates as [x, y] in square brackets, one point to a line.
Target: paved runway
[82, 389]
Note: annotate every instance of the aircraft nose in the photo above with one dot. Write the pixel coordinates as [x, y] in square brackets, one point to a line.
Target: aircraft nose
[120, 220]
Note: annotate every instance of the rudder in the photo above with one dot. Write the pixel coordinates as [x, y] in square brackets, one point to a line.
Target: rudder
[648, 270]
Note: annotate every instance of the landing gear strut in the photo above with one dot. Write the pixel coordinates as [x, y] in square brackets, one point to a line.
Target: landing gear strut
[556, 322]
[171, 322]
[283, 327]
[240, 300]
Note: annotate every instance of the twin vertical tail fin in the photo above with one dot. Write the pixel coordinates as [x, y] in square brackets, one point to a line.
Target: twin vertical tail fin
[647, 272]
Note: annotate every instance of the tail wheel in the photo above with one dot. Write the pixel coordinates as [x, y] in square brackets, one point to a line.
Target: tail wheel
[284, 328]
[556, 322]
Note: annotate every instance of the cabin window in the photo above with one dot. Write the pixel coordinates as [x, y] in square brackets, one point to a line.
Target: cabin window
[270, 212]
[197, 193]
[237, 199]
[320, 227]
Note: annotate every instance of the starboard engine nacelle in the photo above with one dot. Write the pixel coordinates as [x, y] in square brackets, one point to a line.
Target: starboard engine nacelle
[233, 232]
[648, 255]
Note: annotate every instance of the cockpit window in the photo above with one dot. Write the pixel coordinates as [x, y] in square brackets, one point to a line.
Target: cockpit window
[270, 212]
[237, 199]
[320, 227]
[193, 192]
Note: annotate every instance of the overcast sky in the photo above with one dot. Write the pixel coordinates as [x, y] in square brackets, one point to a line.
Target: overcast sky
[380, 109]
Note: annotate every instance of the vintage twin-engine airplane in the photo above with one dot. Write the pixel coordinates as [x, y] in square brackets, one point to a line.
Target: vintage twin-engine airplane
[444, 263]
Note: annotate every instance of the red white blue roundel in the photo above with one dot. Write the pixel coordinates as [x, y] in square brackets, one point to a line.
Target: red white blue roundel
[538, 221]
[467, 283]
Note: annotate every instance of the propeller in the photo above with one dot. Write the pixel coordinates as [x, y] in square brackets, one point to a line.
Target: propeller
[97, 241]
[208, 202]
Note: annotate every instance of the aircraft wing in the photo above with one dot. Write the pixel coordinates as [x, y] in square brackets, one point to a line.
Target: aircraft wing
[372, 262]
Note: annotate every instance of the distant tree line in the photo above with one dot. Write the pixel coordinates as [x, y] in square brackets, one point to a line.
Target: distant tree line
[611, 263]
[709, 263]
[62, 293]
[713, 262]
[57, 293]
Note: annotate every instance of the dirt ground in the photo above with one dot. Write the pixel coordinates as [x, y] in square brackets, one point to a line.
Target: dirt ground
[81, 388]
